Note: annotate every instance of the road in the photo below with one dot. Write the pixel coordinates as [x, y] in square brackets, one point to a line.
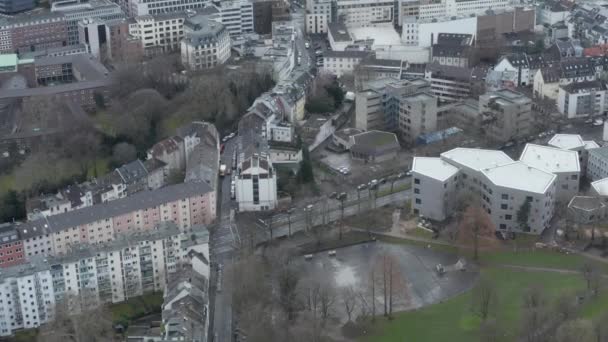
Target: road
[221, 245]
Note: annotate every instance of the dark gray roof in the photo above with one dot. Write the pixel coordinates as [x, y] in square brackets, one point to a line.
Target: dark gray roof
[375, 143]
[132, 172]
[381, 62]
[449, 71]
[347, 54]
[140, 200]
[577, 67]
[589, 85]
[454, 38]
[551, 74]
[441, 50]
[154, 164]
[586, 203]
[339, 32]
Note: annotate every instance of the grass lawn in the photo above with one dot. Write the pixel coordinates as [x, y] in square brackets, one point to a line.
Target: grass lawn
[596, 306]
[7, 182]
[538, 258]
[420, 233]
[136, 307]
[453, 321]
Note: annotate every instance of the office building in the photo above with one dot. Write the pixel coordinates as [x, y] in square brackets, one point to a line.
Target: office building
[159, 33]
[76, 11]
[136, 8]
[506, 115]
[206, 44]
[576, 100]
[318, 16]
[417, 115]
[27, 33]
[341, 63]
[363, 13]
[236, 15]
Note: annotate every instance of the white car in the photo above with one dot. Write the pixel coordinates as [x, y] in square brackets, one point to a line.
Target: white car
[598, 122]
[231, 135]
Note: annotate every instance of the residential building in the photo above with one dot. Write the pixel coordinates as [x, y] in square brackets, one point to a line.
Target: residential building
[206, 44]
[318, 16]
[159, 33]
[582, 99]
[256, 183]
[547, 80]
[563, 163]
[457, 55]
[92, 275]
[377, 103]
[185, 204]
[494, 26]
[586, 210]
[374, 146]
[574, 142]
[15, 6]
[422, 32]
[46, 205]
[236, 15]
[552, 12]
[201, 140]
[506, 114]
[525, 66]
[11, 246]
[76, 11]
[363, 13]
[27, 32]
[170, 151]
[341, 63]
[435, 186]
[597, 164]
[546, 83]
[341, 138]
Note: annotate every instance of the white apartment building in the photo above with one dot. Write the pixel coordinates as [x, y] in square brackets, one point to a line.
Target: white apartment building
[423, 33]
[562, 163]
[26, 297]
[574, 142]
[435, 184]
[450, 8]
[159, 33]
[206, 44]
[361, 13]
[135, 8]
[92, 275]
[341, 63]
[508, 187]
[318, 16]
[582, 99]
[256, 184]
[597, 165]
[236, 15]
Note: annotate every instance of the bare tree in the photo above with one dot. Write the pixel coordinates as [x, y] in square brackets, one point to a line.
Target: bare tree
[391, 282]
[484, 298]
[534, 297]
[576, 330]
[476, 229]
[489, 331]
[565, 307]
[350, 300]
[600, 328]
[534, 323]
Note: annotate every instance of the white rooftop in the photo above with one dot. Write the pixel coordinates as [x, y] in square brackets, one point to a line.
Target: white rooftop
[601, 186]
[476, 158]
[434, 168]
[382, 35]
[519, 176]
[589, 144]
[550, 159]
[567, 141]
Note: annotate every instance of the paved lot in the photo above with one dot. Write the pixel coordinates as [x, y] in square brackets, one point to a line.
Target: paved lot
[352, 266]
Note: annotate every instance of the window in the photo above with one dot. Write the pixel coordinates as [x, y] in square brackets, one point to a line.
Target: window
[503, 226]
[574, 177]
[416, 181]
[508, 217]
[504, 206]
[416, 191]
[418, 201]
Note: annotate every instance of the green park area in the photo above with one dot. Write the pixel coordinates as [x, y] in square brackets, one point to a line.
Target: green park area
[455, 320]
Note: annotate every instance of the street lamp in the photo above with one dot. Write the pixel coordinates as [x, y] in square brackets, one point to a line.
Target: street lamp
[289, 212]
[308, 212]
[341, 198]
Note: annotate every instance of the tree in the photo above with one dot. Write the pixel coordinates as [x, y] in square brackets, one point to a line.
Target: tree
[489, 331]
[391, 282]
[123, 153]
[534, 297]
[484, 298]
[523, 214]
[600, 328]
[306, 174]
[565, 307]
[13, 206]
[579, 330]
[85, 325]
[475, 229]
[592, 277]
[350, 300]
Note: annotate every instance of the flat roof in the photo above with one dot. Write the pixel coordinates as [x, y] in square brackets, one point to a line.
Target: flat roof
[476, 158]
[382, 35]
[339, 32]
[600, 186]
[520, 176]
[550, 159]
[589, 144]
[8, 60]
[434, 167]
[567, 141]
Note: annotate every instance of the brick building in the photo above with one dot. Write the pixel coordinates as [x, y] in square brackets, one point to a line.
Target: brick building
[25, 33]
[11, 247]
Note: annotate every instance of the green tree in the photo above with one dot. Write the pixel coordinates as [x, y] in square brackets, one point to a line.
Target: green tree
[523, 214]
[13, 207]
[306, 174]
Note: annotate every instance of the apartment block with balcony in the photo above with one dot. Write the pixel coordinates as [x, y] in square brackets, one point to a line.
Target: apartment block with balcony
[506, 115]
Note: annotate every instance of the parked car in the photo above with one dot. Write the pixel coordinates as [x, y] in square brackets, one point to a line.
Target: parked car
[598, 122]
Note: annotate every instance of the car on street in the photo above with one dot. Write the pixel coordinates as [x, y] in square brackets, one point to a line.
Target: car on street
[598, 122]
[589, 121]
[306, 45]
[362, 187]
[409, 173]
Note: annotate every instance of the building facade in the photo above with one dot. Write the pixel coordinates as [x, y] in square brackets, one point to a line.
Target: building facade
[506, 114]
[361, 13]
[25, 33]
[582, 99]
[435, 186]
[206, 44]
[256, 184]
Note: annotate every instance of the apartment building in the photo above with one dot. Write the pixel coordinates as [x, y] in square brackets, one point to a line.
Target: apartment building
[206, 44]
[597, 165]
[340, 63]
[11, 247]
[361, 13]
[256, 184]
[185, 204]
[377, 103]
[236, 15]
[582, 99]
[435, 186]
[91, 275]
[564, 164]
[159, 33]
[318, 16]
[574, 142]
[453, 83]
[136, 8]
[506, 114]
[76, 11]
[417, 115]
[502, 185]
[27, 33]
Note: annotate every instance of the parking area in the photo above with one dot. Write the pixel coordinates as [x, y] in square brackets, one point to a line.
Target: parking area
[419, 282]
